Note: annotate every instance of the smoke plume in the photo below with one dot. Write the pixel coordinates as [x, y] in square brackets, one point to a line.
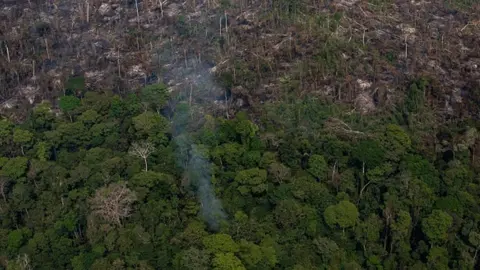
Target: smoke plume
[191, 157]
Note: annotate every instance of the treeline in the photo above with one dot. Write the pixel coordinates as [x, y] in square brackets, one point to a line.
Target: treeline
[101, 185]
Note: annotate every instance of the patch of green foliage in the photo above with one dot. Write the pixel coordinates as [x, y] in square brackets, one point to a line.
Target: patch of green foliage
[75, 84]
[298, 193]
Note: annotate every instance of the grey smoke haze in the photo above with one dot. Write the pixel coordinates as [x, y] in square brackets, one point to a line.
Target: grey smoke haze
[191, 157]
[187, 72]
[199, 172]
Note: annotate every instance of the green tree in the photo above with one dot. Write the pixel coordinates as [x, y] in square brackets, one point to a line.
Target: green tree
[42, 151]
[257, 256]
[288, 214]
[227, 261]
[423, 170]
[318, 167]
[155, 96]
[438, 258]
[436, 226]
[367, 232]
[369, 154]
[149, 123]
[153, 182]
[6, 131]
[16, 239]
[22, 137]
[400, 229]
[15, 168]
[415, 96]
[192, 259]
[42, 117]
[474, 240]
[252, 181]
[250, 253]
[246, 129]
[229, 155]
[89, 117]
[397, 142]
[344, 214]
[194, 233]
[220, 243]
[68, 104]
[279, 172]
[326, 248]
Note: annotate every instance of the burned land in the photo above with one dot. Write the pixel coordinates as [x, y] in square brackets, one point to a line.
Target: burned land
[362, 53]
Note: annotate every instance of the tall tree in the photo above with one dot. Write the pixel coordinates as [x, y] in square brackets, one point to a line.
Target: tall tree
[22, 137]
[436, 225]
[142, 150]
[113, 202]
[344, 215]
[68, 104]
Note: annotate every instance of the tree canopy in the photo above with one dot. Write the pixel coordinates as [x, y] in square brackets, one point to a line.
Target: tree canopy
[114, 184]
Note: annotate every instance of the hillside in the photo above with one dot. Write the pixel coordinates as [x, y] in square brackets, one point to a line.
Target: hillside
[231, 135]
[357, 52]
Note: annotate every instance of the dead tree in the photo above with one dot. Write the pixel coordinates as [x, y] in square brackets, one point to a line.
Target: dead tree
[3, 188]
[143, 150]
[113, 202]
[21, 262]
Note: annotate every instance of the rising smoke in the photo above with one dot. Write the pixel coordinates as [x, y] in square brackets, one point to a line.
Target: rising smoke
[193, 158]
[199, 172]
[187, 71]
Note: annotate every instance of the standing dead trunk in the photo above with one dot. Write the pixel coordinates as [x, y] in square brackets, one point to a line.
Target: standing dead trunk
[475, 257]
[46, 47]
[146, 164]
[138, 14]
[88, 11]
[142, 150]
[8, 52]
[3, 186]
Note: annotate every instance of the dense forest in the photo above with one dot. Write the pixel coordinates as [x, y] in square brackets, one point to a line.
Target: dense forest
[134, 183]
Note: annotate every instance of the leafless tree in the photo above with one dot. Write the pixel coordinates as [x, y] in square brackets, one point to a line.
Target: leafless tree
[279, 172]
[143, 150]
[3, 188]
[113, 202]
[21, 262]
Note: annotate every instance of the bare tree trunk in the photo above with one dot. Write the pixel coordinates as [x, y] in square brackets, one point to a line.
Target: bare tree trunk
[333, 175]
[362, 190]
[226, 105]
[3, 184]
[142, 150]
[406, 47]
[161, 7]
[8, 52]
[190, 97]
[46, 47]
[118, 62]
[88, 11]
[138, 14]
[475, 258]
